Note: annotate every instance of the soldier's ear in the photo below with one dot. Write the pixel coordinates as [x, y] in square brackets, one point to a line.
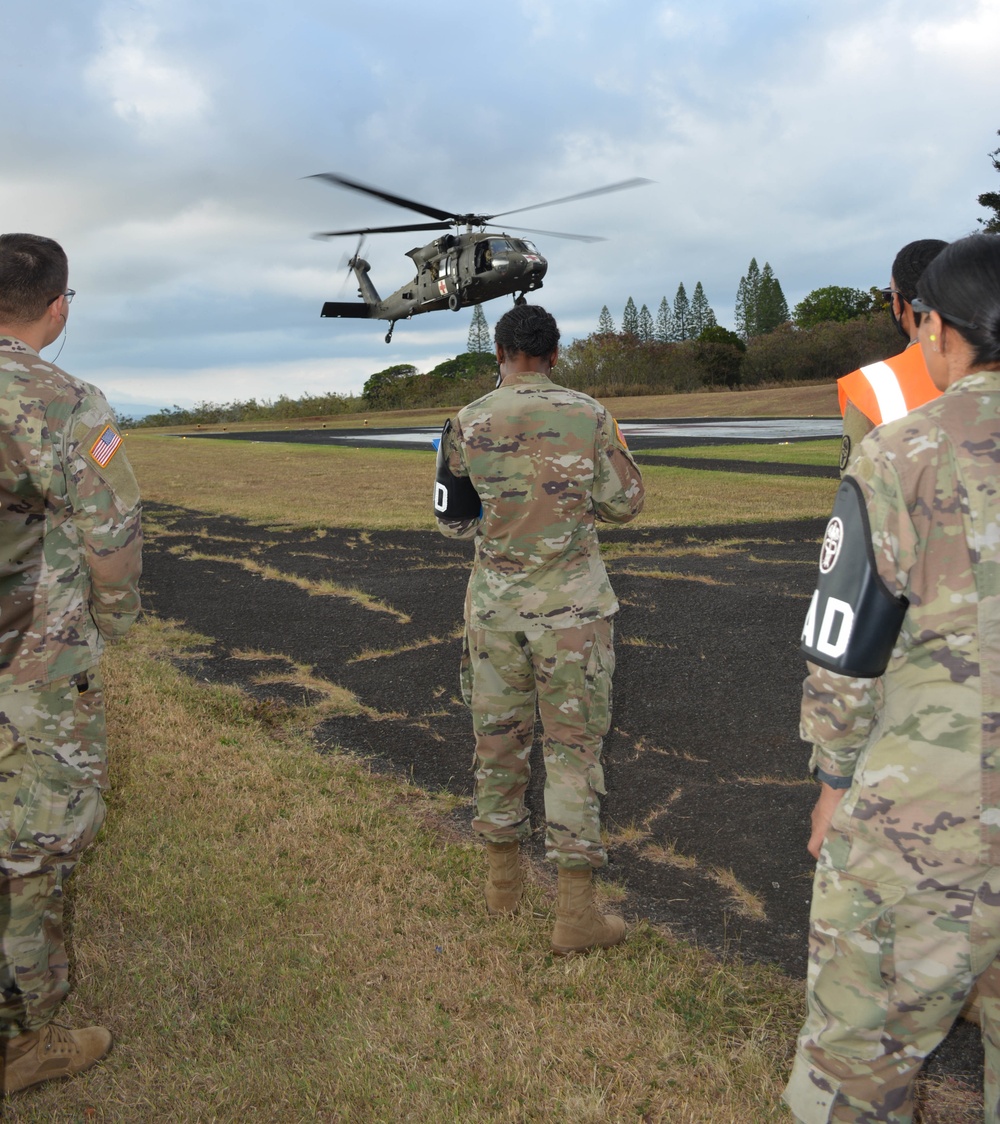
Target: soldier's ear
[554, 358]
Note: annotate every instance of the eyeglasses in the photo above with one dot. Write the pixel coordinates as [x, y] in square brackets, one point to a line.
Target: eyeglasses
[69, 295]
[923, 307]
[888, 291]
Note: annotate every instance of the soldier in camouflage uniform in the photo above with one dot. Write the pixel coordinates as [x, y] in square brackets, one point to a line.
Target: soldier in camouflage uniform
[70, 545]
[547, 462]
[906, 899]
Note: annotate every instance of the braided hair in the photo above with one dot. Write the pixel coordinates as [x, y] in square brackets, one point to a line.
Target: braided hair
[529, 329]
[910, 263]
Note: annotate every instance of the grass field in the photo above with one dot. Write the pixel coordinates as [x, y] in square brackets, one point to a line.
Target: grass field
[321, 486]
[278, 936]
[821, 452]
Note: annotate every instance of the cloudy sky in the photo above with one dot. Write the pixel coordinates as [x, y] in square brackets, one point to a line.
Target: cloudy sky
[165, 144]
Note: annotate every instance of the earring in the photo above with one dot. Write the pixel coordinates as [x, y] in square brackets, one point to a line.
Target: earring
[933, 338]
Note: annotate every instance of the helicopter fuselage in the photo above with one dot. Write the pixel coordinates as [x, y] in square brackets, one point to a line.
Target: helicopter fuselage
[453, 271]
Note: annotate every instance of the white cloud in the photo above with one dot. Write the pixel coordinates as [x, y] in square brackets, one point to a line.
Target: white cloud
[145, 87]
[969, 40]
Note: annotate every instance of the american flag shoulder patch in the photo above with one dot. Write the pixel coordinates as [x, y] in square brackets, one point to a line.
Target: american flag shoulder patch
[105, 447]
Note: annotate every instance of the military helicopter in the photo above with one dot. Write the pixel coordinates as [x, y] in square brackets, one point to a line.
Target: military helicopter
[458, 269]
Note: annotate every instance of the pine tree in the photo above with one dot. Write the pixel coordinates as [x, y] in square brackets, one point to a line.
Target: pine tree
[630, 319]
[748, 301]
[645, 325]
[606, 324]
[772, 308]
[479, 332]
[682, 314]
[664, 323]
[702, 316]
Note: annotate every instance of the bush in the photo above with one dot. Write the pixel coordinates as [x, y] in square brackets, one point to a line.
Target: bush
[823, 353]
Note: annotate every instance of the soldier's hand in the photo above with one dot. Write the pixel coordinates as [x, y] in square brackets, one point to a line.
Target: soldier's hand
[822, 813]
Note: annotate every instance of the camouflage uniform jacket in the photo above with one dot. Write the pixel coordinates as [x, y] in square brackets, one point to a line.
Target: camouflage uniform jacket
[923, 742]
[70, 535]
[547, 462]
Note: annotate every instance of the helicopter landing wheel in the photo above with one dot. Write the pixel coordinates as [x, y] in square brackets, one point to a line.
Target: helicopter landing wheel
[521, 299]
[388, 335]
[454, 302]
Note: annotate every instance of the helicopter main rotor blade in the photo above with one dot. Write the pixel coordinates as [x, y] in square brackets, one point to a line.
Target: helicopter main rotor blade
[396, 200]
[385, 229]
[550, 233]
[623, 186]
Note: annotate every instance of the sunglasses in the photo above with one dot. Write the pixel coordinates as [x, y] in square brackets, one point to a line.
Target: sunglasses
[69, 295]
[922, 307]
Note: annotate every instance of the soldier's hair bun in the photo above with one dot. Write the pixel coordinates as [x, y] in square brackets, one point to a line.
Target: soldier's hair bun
[963, 282]
[529, 329]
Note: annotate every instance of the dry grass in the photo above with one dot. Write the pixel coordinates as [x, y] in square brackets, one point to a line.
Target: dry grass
[416, 646]
[679, 496]
[287, 485]
[277, 936]
[323, 588]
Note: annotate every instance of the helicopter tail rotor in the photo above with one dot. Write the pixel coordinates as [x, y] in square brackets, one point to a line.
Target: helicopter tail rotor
[347, 262]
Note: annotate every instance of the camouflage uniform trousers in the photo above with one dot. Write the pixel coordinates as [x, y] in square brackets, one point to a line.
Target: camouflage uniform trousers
[568, 671]
[53, 757]
[892, 957]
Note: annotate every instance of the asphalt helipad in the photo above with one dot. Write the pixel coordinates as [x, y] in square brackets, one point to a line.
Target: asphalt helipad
[708, 802]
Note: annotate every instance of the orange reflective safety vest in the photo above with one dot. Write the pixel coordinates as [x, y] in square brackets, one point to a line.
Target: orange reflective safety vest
[890, 389]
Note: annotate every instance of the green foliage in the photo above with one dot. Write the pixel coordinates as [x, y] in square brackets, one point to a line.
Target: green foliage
[760, 304]
[832, 302]
[606, 323]
[384, 389]
[772, 308]
[224, 413]
[645, 325]
[702, 316]
[825, 352]
[468, 366]
[480, 339]
[664, 332]
[682, 314]
[991, 199]
[746, 301]
[402, 387]
[609, 365]
[714, 333]
[630, 318]
[719, 363]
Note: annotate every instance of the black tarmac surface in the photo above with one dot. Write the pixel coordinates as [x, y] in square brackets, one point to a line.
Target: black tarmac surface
[707, 805]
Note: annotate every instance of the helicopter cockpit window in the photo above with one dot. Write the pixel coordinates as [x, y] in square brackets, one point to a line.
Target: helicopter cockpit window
[528, 247]
[500, 245]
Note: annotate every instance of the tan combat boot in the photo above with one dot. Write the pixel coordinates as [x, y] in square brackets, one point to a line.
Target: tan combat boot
[579, 925]
[54, 1051]
[504, 884]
